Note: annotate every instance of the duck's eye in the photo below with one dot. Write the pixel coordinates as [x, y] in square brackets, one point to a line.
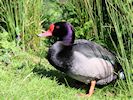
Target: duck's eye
[57, 27]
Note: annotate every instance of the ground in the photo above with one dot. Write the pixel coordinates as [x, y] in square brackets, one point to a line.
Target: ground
[38, 80]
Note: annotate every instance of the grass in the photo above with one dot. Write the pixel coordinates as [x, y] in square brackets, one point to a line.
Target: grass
[23, 84]
[39, 80]
[31, 86]
[26, 77]
[123, 28]
[19, 17]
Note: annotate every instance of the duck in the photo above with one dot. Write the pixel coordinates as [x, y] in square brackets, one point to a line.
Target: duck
[82, 60]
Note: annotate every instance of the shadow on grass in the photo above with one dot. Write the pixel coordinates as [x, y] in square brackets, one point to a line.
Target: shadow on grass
[60, 77]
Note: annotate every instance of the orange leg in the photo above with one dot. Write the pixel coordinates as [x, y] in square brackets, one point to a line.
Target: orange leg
[92, 87]
[91, 90]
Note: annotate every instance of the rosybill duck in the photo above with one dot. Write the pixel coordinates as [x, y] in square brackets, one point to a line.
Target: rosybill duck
[81, 59]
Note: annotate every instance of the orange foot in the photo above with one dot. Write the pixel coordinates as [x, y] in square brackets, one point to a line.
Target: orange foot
[91, 91]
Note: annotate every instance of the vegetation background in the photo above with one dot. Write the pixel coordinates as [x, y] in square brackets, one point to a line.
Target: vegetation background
[25, 74]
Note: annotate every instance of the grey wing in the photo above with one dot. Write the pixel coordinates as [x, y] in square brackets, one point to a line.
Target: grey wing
[91, 49]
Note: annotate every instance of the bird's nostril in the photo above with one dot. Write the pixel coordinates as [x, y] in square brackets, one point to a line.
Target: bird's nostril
[43, 31]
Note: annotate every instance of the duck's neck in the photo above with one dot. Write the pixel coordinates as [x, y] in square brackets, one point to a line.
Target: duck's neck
[70, 36]
[58, 54]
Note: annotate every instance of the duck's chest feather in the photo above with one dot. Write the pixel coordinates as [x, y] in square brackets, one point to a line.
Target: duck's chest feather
[60, 57]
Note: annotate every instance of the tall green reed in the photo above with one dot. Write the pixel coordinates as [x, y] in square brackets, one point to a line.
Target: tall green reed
[22, 18]
[89, 9]
[113, 23]
[121, 14]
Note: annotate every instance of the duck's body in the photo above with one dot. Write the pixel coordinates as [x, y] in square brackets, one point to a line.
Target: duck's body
[82, 60]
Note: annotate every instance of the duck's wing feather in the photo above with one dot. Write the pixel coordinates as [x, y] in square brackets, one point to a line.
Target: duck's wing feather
[91, 49]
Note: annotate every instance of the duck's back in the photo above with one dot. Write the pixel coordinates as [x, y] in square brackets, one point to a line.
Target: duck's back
[91, 49]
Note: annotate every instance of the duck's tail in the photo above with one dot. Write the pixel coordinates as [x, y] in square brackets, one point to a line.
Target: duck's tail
[120, 70]
[122, 75]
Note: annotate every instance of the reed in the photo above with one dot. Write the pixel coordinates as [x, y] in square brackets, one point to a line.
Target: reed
[121, 18]
[113, 24]
[22, 18]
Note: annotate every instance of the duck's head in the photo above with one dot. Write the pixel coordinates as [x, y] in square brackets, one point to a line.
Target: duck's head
[63, 30]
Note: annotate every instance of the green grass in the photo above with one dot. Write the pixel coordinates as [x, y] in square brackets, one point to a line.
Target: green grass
[39, 80]
[22, 18]
[24, 76]
[122, 22]
[23, 84]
